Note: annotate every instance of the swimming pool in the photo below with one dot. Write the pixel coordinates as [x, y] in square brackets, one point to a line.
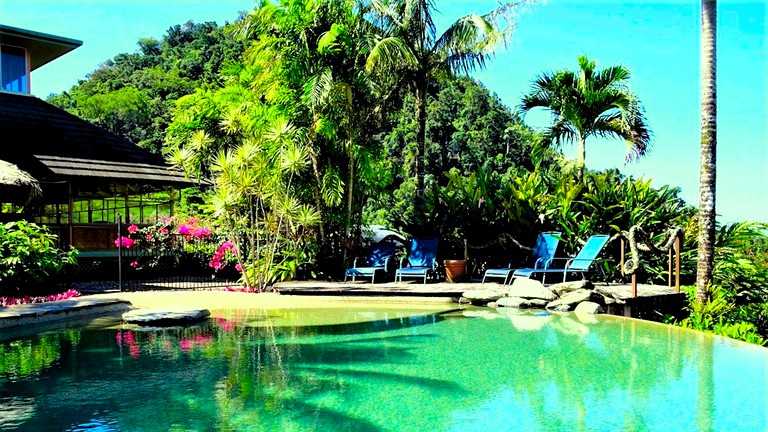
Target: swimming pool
[381, 369]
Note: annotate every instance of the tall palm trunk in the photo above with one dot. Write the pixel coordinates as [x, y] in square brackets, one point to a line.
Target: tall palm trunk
[708, 148]
[421, 138]
[581, 158]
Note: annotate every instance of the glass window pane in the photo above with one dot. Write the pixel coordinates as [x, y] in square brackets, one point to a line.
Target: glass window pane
[14, 69]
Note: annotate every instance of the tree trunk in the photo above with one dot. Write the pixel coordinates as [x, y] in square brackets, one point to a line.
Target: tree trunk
[318, 197]
[580, 162]
[708, 149]
[421, 138]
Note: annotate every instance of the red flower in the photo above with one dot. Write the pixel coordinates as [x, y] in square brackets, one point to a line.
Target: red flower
[163, 230]
[132, 229]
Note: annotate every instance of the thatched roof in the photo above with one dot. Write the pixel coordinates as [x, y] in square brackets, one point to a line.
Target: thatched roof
[17, 186]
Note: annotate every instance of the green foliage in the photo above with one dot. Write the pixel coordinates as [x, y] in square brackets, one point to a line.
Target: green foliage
[133, 93]
[29, 257]
[717, 316]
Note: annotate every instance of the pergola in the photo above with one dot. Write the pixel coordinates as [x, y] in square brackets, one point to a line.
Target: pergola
[88, 175]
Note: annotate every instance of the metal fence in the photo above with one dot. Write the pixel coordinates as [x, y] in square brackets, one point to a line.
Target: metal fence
[176, 267]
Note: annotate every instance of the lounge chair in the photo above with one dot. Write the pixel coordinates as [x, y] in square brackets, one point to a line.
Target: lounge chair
[543, 251]
[376, 261]
[421, 261]
[581, 263]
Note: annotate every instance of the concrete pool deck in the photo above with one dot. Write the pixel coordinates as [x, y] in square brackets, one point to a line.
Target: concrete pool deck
[292, 295]
[48, 313]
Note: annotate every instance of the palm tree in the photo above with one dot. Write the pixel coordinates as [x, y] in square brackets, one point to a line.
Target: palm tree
[588, 103]
[409, 49]
[708, 149]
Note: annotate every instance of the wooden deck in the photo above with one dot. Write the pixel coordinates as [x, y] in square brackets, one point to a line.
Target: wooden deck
[439, 289]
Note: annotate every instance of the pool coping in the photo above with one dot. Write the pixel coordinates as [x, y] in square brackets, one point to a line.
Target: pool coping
[34, 314]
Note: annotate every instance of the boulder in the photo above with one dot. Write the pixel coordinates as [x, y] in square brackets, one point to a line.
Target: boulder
[537, 303]
[514, 302]
[566, 287]
[483, 295]
[558, 307]
[588, 307]
[165, 317]
[572, 298]
[530, 289]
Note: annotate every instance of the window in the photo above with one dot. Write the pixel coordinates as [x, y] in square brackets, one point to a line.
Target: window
[13, 69]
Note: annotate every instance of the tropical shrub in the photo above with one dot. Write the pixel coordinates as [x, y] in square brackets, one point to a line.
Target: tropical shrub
[29, 258]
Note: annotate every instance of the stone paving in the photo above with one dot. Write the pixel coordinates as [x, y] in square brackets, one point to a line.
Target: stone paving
[48, 312]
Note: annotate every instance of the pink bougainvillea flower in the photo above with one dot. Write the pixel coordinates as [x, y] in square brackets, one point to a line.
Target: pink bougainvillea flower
[193, 221]
[215, 264]
[227, 245]
[148, 237]
[202, 232]
[133, 228]
[163, 230]
[134, 264]
[125, 242]
[238, 267]
[183, 229]
[167, 220]
[185, 344]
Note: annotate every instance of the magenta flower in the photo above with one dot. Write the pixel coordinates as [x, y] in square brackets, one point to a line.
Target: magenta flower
[193, 221]
[124, 241]
[163, 230]
[167, 220]
[202, 232]
[148, 237]
[215, 264]
[238, 267]
[134, 264]
[132, 229]
[183, 229]
[227, 245]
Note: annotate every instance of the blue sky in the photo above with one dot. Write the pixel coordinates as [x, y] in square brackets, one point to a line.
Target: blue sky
[658, 41]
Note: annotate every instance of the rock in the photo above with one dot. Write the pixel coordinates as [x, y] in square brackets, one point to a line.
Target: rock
[537, 303]
[559, 307]
[463, 300]
[588, 307]
[493, 304]
[566, 287]
[521, 303]
[573, 298]
[530, 289]
[165, 317]
[513, 302]
[483, 295]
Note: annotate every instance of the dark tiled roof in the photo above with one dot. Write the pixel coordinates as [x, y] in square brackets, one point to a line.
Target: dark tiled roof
[51, 144]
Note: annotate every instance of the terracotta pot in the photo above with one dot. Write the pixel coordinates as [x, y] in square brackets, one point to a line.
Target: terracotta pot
[455, 269]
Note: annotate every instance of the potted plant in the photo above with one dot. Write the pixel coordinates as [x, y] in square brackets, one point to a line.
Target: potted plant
[456, 268]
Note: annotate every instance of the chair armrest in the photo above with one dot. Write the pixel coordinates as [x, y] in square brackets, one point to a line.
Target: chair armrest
[354, 263]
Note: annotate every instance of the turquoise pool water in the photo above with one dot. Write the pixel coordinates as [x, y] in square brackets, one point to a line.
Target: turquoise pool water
[384, 371]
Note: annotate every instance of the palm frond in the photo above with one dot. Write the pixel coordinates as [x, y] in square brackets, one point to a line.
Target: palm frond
[391, 53]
